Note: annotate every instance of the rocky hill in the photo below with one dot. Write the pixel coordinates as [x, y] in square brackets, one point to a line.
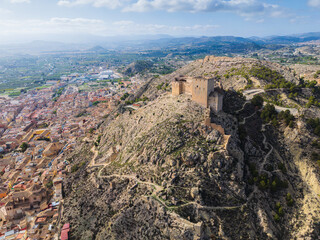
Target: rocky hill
[233, 73]
[160, 172]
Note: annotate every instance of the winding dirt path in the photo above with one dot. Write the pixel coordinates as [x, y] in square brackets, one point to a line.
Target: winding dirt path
[245, 119]
[266, 144]
[246, 102]
[95, 155]
[157, 189]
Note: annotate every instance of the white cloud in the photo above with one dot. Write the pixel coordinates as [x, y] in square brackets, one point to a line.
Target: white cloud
[245, 6]
[20, 1]
[197, 5]
[314, 3]
[129, 27]
[51, 26]
[4, 11]
[112, 4]
[83, 26]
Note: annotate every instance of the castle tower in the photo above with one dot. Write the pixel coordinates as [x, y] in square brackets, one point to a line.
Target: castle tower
[201, 89]
[176, 88]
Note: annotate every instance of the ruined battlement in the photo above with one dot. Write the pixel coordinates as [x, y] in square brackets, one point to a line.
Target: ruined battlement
[206, 92]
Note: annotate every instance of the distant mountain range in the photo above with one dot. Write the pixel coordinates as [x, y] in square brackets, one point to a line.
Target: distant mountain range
[290, 39]
[158, 42]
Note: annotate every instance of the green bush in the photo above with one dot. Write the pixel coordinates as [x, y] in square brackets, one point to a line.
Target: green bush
[269, 113]
[276, 79]
[125, 96]
[282, 167]
[97, 142]
[257, 101]
[314, 124]
[24, 146]
[289, 200]
[160, 86]
[286, 117]
[276, 217]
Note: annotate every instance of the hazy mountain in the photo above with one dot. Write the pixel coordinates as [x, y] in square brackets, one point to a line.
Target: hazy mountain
[203, 44]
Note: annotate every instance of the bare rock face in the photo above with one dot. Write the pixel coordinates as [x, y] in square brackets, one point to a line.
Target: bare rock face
[214, 136]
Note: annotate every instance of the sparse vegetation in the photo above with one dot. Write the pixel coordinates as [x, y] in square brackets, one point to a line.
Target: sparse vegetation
[314, 125]
[49, 184]
[163, 86]
[97, 142]
[77, 166]
[280, 211]
[143, 99]
[289, 200]
[317, 74]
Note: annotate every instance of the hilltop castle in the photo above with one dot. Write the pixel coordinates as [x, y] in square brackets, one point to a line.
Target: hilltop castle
[203, 91]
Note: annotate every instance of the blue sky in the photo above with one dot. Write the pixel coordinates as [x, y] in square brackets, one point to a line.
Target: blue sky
[45, 19]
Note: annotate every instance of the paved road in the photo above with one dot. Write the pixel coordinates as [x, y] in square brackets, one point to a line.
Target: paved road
[293, 111]
[250, 93]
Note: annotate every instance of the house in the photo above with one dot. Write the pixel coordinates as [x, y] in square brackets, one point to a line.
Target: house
[3, 192]
[65, 232]
[206, 92]
[52, 149]
[19, 202]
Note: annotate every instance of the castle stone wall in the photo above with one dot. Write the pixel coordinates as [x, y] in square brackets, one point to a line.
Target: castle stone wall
[211, 86]
[215, 102]
[176, 88]
[200, 91]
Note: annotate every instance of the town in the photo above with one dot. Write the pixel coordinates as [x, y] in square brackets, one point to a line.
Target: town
[37, 129]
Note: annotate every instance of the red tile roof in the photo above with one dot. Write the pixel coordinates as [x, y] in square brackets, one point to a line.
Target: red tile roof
[66, 226]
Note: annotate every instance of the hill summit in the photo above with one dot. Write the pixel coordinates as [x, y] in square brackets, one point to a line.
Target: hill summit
[173, 169]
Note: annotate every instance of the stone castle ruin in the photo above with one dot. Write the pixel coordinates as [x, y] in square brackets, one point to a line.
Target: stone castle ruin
[206, 92]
